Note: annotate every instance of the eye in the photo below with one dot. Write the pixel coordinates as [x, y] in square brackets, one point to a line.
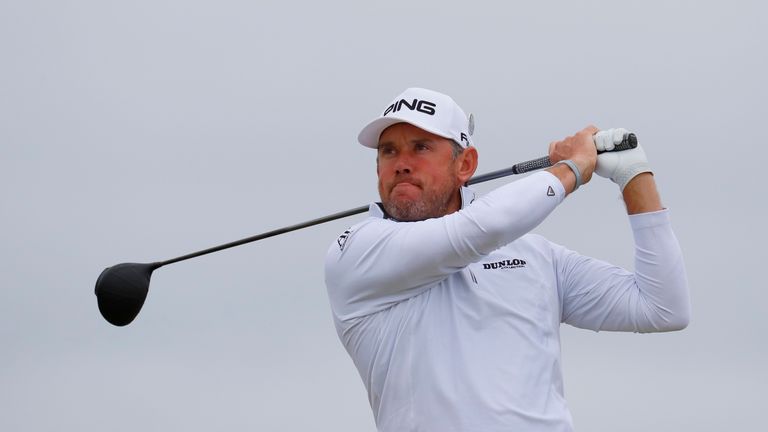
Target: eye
[386, 150]
[421, 147]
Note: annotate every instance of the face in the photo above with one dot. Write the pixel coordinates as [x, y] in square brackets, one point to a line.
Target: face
[418, 175]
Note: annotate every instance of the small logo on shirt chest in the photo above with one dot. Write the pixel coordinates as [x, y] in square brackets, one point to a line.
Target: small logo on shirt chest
[504, 264]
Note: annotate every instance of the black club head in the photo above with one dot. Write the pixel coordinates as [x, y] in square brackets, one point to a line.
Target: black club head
[121, 291]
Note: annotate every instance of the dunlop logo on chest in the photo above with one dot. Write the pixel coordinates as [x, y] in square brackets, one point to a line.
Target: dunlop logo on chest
[505, 264]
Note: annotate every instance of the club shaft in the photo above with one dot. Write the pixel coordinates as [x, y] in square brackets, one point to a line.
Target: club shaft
[630, 141]
[340, 215]
[268, 234]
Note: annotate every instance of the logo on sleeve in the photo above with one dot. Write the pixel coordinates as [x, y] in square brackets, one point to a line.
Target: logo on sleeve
[550, 191]
[342, 240]
[505, 264]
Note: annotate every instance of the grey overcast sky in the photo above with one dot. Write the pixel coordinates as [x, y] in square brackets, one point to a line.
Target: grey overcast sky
[142, 130]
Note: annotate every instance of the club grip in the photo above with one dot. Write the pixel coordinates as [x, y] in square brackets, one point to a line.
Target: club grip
[627, 143]
[531, 165]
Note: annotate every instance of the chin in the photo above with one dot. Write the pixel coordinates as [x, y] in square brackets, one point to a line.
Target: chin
[407, 210]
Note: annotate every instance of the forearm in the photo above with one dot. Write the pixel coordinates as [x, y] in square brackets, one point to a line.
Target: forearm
[641, 195]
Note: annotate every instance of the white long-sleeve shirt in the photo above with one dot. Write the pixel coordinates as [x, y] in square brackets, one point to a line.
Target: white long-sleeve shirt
[453, 322]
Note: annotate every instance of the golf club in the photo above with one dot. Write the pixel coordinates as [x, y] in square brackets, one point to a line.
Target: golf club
[122, 288]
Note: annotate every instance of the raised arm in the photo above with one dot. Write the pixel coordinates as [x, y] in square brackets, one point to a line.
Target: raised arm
[600, 296]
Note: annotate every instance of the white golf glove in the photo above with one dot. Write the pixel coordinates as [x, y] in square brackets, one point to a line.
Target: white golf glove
[620, 166]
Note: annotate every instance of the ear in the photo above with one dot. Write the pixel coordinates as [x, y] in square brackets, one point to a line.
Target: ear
[466, 164]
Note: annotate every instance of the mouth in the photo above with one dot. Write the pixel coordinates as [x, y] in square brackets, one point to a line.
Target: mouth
[404, 185]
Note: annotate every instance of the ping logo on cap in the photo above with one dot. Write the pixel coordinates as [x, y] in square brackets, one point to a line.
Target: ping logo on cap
[423, 106]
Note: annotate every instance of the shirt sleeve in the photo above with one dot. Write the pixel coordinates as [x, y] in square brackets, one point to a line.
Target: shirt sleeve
[599, 296]
[381, 262]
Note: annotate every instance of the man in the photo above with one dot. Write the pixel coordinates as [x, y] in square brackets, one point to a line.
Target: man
[450, 310]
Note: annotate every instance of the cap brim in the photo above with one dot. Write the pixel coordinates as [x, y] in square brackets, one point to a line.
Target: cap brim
[371, 133]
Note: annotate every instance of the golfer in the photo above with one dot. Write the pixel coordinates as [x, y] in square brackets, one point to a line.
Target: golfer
[447, 305]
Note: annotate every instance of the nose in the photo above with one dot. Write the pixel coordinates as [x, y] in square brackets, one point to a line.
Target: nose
[403, 165]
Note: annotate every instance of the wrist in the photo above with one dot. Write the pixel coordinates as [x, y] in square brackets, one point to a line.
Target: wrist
[623, 177]
[565, 175]
[575, 170]
[641, 196]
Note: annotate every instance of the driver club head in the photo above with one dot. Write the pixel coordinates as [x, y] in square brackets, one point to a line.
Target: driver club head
[121, 291]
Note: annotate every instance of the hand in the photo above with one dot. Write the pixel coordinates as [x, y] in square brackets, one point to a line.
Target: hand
[579, 148]
[622, 166]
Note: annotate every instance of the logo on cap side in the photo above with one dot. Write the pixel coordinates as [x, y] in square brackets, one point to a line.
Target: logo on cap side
[422, 106]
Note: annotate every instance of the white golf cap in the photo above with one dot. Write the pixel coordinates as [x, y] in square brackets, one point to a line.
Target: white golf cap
[426, 109]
